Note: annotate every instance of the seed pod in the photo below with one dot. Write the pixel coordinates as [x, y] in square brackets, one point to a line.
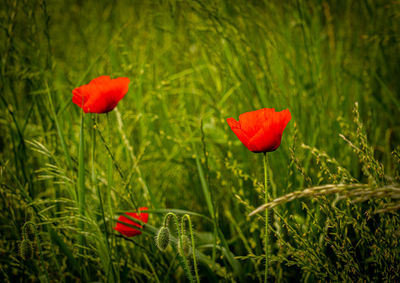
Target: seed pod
[185, 246]
[26, 249]
[162, 238]
[29, 231]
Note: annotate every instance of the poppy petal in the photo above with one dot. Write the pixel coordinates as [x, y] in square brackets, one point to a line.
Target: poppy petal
[236, 128]
[129, 231]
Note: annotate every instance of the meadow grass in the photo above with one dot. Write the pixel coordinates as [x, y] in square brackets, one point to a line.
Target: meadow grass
[333, 183]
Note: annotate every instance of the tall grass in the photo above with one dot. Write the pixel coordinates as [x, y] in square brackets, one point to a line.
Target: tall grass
[333, 183]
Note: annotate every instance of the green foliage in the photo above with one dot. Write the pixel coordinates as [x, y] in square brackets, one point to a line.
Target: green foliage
[333, 183]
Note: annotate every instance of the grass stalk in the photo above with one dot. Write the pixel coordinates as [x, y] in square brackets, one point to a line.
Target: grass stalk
[207, 196]
[59, 129]
[151, 267]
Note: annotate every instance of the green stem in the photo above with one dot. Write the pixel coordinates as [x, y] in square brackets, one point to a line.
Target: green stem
[184, 262]
[266, 214]
[111, 154]
[110, 170]
[114, 162]
[81, 180]
[95, 184]
[186, 216]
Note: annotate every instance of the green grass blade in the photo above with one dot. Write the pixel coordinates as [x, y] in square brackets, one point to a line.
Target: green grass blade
[59, 130]
[204, 186]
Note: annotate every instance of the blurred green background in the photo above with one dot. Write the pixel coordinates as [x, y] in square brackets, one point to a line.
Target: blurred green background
[192, 65]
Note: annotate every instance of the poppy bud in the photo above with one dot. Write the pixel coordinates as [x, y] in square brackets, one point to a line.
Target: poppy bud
[184, 246]
[26, 249]
[29, 231]
[162, 238]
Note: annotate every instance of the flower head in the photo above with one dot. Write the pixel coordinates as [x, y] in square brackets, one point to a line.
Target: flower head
[261, 130]
[101, 95]
[128, 230]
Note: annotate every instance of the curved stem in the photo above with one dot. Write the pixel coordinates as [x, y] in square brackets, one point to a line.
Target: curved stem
[266, 214]
[186, 216]
[166, 218]
[180, 239]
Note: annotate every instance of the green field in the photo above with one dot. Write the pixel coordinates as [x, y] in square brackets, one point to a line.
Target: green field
[334, 193]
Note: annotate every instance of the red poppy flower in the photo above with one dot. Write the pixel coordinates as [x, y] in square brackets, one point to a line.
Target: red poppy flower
[128, 230]
[101, 95]
[261, 130]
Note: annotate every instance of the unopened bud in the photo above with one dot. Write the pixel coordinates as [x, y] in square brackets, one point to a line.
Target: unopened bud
[29, 231]
[26, 249]
[162, 238]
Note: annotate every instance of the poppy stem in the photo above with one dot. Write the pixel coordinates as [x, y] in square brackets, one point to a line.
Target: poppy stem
[81, 180]
[110, 168]
[114, 162]
[187, 217]
[96, 185]
[179, 244]
[266, 213]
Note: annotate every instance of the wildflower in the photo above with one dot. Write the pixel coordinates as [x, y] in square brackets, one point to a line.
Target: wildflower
[128, 230]
[261, 130]
[101, 95]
